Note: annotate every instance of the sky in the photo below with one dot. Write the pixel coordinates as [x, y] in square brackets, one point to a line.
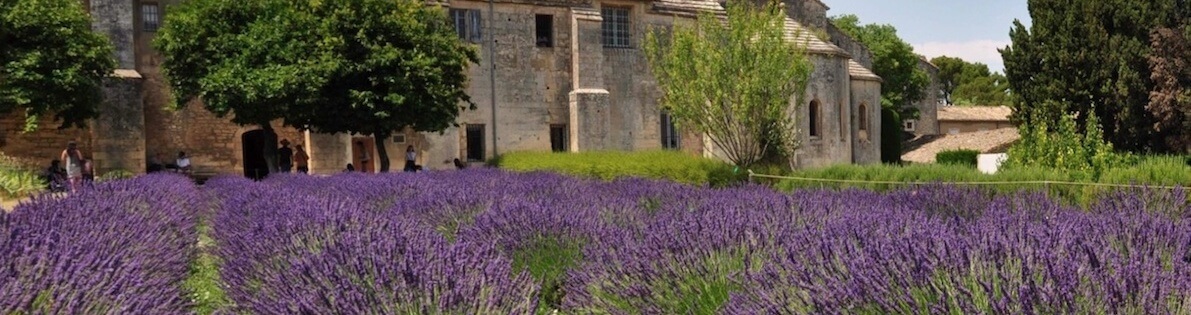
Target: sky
[968, 29]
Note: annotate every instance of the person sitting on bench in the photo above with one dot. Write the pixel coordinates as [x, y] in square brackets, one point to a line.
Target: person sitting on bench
[183, 163]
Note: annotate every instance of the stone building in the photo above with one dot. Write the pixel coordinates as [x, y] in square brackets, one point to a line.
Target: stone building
[563, 75]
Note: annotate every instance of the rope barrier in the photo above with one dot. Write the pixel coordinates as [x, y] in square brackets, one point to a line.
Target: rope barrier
[1034, 182]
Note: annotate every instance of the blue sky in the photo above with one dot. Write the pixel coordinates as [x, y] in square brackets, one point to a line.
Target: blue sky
[968, 29]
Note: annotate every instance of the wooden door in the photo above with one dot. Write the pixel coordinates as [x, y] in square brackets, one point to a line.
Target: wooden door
[364, 154]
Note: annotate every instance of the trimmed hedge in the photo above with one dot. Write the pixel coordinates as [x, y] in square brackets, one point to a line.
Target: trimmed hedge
[607, 165]
[958, 157]
[1157, 171]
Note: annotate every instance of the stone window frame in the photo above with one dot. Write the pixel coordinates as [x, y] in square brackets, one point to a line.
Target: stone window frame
[862, 123]
[548, 41]
[150, 17]
[616, 29]
[814, 118]
[468, 22]
[909, 125]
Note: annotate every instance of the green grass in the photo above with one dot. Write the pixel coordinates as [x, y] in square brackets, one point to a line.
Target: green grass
[659, 164]
[548, 259]
[203, 285]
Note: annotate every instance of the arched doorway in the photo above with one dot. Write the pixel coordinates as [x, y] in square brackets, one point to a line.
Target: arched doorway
[253, 144]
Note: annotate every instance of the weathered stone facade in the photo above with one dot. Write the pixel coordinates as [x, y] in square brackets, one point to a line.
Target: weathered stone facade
[603, 97]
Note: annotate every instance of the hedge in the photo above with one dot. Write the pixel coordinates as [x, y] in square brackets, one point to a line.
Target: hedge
[607, 165]
[957, 157]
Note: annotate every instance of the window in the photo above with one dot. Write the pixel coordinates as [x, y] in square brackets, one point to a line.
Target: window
[863, 117]
[813, 118]
[398, 138]
[909, 125]
[862, 123]
[475, 143]
[616, 27]
[670, 134]
[467, 24]
[545, 30]
[558, 138]
[150, 17]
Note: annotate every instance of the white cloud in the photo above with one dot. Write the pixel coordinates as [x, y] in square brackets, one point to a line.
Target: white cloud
[983, 51]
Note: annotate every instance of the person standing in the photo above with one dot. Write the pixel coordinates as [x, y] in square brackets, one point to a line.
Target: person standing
[301, 160]
[74, 165]
[411, 159]
[285, 157]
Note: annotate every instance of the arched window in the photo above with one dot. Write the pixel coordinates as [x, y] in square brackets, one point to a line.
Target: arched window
[863, 117]
[813, 117]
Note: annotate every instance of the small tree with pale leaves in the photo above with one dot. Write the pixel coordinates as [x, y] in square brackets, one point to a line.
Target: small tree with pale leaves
[732, 80]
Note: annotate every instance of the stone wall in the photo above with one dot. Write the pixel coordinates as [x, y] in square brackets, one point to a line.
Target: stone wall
[946, 127]
[859, 52]
[829, 86]
[866, 149]
[928, 107]
[118, 137]
[42, 145]
[809, 13]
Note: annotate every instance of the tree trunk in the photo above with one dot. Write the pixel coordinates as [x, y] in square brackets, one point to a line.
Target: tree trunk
[270, 147]
[381, 153]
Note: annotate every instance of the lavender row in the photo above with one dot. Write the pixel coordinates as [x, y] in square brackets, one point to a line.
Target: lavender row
[122, 247]
[493, 242]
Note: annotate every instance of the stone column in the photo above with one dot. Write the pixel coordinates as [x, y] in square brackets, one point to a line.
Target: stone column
[589, 101]
[118, 134]
[114, 19]
[329, 153]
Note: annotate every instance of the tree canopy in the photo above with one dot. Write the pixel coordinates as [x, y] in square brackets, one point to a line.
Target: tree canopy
[51, 62]
[358, 66]
[1090, 58]
[732, 81]
[971, 83]
[893, 59]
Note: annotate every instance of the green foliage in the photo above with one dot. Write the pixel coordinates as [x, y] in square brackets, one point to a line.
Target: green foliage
[114, 175]
[361, 66]
[18, 179]
[203, 286]
[51, 62]
[957, 157]
[548, 259]
[891, 136]
[1157, 170]
[1065, 148]
[1170, 101]
[893, 59]
[1089, 58]
[732, 81]
[971, 83]
[663, 164]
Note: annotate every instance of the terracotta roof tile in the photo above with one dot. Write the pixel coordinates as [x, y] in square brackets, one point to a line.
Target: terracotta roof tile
[974, 113]
[859, 72]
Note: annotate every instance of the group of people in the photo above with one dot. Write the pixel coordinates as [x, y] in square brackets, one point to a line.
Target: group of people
[180, 165]
[76, 171]
[288, 158]
[411, 160]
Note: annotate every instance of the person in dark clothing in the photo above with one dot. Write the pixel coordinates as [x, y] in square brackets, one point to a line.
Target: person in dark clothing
[459, 164]
[350, 168]
[411, 159]
[285, 157]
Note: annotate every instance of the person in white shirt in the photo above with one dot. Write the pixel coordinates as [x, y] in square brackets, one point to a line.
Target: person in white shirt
[411, 159]
[183, 162]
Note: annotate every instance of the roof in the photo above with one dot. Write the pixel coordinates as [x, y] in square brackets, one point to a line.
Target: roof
[795, 31]
[988, 141]
[858, 72]
[126, 74]
[800, 34]
[974, 113]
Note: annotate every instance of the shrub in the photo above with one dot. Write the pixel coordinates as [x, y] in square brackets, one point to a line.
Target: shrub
[959, 157]
[671, 165]
[891, 136]
[120, 247]
[19, 178]
[1064, 147]
[114, 175]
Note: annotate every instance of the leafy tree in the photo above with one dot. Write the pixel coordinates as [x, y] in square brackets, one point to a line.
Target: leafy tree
[971, 83]
[51, 61]
[1086, 58]
[732, 81]
[893, 59]
[356, 66]
[1170, 101]
[397, 65]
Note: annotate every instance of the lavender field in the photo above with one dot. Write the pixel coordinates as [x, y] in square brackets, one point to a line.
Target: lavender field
[491, 242]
